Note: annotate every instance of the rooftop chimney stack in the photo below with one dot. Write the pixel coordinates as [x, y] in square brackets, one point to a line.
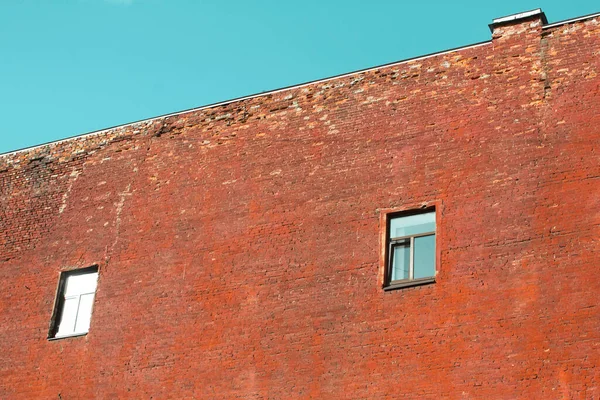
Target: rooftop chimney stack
[518, 23]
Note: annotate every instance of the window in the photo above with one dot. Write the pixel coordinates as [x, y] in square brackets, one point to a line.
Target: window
[73, 309]
[411, 249]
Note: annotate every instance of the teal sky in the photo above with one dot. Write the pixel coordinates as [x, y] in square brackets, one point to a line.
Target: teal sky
[68, 67]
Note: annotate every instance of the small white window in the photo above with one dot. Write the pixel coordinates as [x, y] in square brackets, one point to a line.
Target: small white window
[73, 309]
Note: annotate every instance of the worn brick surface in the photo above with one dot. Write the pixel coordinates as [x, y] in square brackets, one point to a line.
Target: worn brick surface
[239, 246]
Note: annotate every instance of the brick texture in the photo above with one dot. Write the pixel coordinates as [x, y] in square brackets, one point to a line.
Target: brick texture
[239, 246]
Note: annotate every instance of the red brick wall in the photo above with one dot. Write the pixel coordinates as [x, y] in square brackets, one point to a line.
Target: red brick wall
[239, 245]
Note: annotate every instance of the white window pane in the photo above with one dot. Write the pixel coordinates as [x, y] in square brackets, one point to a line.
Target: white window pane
[424, 256]
[400, 262]
[69, 313]
[84, 283]
[85, 313]
[412, 224]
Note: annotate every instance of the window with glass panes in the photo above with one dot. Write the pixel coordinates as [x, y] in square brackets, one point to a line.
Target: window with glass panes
[73, 310]
[411, 251]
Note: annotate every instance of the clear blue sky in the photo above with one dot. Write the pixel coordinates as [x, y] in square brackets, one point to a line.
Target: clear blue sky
[69, 67]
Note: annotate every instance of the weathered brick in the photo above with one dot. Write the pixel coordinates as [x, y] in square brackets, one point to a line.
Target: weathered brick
[239, 245]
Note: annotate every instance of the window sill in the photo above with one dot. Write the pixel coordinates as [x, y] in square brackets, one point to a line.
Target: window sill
[404, 284]
[73, 335]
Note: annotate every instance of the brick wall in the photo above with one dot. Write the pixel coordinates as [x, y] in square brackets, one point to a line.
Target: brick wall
[239, 246]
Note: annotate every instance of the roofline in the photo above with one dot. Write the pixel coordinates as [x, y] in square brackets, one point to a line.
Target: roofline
[568, 21]
[270, 92]
[252, 96]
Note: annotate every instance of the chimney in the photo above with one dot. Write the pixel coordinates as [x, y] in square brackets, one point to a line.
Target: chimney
[524, 22]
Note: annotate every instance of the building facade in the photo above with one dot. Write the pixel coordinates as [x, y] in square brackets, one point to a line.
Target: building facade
[424, 229]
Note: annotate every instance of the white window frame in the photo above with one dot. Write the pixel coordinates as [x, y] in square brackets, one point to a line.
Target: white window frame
[61, 299]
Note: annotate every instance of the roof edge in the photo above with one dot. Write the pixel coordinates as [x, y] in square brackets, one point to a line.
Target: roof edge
[251, 96]
[571, 20]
